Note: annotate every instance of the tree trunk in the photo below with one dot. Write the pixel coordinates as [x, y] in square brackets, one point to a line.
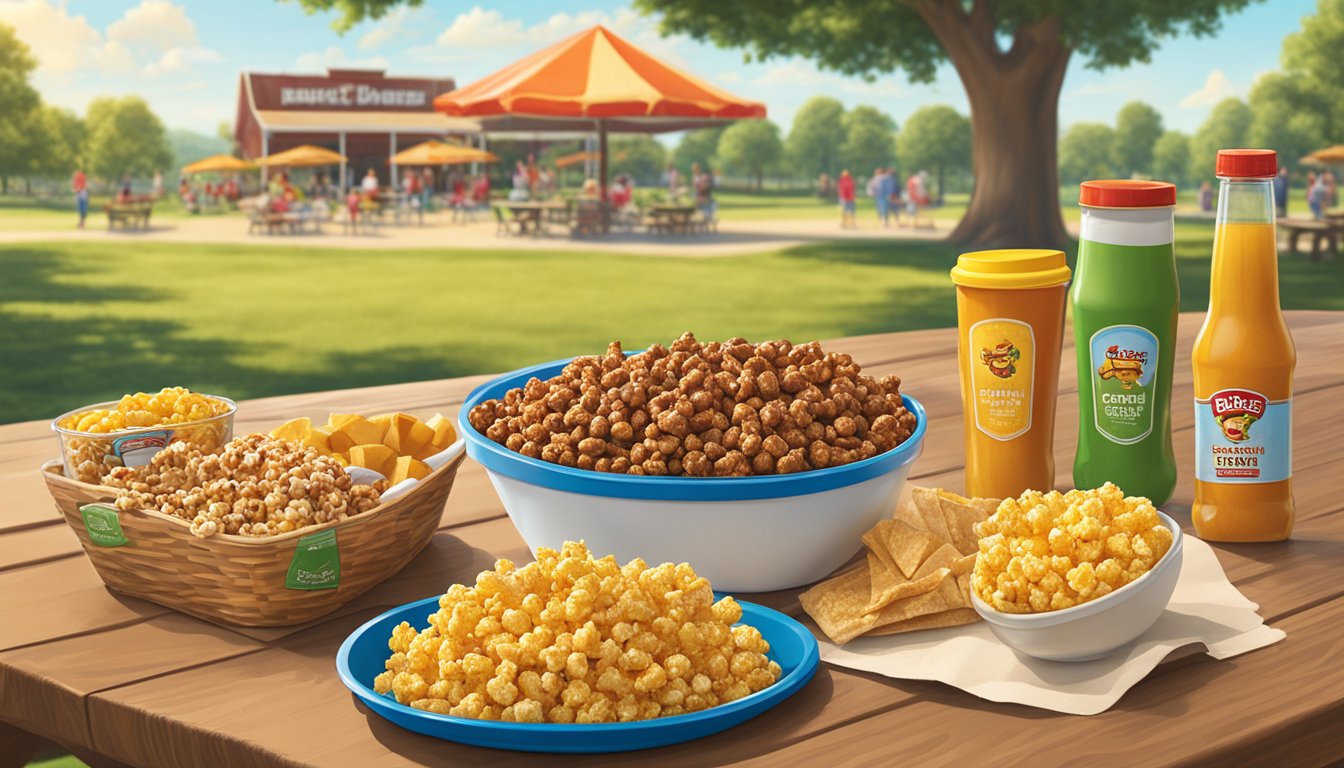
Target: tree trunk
[1014, 98]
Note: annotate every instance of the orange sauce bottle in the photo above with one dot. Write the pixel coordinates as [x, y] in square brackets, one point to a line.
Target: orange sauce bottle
[1243, 367]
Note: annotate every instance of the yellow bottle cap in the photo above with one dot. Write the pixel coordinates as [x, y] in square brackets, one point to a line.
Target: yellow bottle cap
[1011, 268]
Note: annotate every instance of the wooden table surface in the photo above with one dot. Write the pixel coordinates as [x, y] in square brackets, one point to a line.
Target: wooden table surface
[122, 681]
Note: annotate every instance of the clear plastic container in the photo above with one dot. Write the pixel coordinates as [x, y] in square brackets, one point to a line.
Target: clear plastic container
[89, 456]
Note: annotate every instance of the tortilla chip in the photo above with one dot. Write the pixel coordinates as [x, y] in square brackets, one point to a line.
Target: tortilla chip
[961, 520]
[945, 597]
[929, 508]
[964, 584]
[900, 546]
[963, 565]
[953, 618]
[886, 588]
[837, 605]
[988, 506]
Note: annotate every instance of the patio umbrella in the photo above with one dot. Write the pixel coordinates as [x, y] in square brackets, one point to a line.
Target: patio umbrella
[594, 79]
[303, 156]
[442, 153]
[1329, 155]
[218, 164]
[574, 158]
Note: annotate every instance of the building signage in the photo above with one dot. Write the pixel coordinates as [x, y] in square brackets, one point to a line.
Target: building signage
[352, 95]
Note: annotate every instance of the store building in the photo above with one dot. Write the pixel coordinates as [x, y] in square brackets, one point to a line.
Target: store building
[362, 114]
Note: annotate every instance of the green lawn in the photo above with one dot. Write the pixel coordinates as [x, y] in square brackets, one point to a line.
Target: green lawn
[86, 322]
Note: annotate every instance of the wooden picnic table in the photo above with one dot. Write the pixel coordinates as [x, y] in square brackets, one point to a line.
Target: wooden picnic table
[1325, 232]
[528, 213]
[120, 681]
[668, 218]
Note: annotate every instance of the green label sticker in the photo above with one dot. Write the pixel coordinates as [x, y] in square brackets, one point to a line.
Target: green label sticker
[100, 520]
[316, 563]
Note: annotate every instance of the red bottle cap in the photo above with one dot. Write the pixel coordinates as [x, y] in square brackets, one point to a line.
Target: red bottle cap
[1124, 193]
[1247, 163]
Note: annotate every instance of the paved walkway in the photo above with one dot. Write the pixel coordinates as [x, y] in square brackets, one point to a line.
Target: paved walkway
[438, 231]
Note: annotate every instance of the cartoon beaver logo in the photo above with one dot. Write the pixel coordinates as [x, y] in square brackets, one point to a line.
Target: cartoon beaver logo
[1125, 366]
[1002, 359]
[1236, 426]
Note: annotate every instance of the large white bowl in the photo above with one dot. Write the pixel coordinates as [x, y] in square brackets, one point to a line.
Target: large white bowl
[1097, 628]
[745, 534]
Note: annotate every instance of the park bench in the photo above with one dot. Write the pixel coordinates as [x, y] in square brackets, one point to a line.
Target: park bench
[129, 215]
[1325, 232]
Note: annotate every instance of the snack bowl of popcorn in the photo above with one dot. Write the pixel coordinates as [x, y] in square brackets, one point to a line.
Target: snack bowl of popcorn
[128, 432]
[789, 512]
[523, 659]
[1095, 626]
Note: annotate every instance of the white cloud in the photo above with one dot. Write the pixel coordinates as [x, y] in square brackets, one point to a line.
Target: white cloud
[798, 73]
[479, 28]
[335, 56]
[794, 72]
[153, 38]
[403, 22]
[1216, 88]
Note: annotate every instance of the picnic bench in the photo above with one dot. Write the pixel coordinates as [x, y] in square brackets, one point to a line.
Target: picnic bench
[130, 215]
[1324, 232]
[123, 682]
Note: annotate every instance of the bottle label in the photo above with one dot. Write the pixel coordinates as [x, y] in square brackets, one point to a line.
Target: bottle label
[1003, 363]
[1241, 436]
[1124, 367]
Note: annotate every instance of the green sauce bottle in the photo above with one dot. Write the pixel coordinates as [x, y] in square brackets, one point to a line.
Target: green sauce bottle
[1125, 300]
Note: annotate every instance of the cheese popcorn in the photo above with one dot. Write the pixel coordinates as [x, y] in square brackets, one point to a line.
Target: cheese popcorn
[573, 639]
[1049, 551]
[172, 405]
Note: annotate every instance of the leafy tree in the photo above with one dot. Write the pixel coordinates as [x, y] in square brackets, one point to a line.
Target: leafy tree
[1287, 116]
[1085, 152]
[698, 146]
[1312, 57]
[351, 12]
[751, 147]
[190, 146]
[870, 140]
[59, 142]
[641, 157]
[1227, 127]
[1011, 57]
[125, 139]
[936, 136]
[816, 138]
[19, 110]
[1137, 128]
[1171, 158]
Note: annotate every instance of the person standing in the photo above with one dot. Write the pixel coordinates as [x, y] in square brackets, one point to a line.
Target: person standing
[672, 180]
[704, 192]
[1281, 192]
[1331, 191]
[370, 184]
[158, 185]
[886, 189]
[1205, 196]
[1316, 195]
[79, 184]
[845, 191]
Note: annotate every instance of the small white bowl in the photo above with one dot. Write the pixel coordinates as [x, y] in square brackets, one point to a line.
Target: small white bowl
[1094, 629]
[745, 534]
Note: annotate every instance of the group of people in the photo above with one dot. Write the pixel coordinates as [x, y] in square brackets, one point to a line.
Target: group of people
[701, 188]
[1322, 193]
[531, 181]
[887, 194]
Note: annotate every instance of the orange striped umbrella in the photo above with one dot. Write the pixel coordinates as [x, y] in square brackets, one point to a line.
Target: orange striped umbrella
[595, 74]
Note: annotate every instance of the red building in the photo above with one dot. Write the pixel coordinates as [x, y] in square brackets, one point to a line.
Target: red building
[362, 114]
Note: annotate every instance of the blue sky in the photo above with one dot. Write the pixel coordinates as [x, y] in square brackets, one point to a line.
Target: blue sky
[184, 55]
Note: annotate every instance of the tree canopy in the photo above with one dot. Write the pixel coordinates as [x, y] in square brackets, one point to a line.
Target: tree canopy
[639, 156]
[1227, 127]
[1171, 158]
[698, 146]
[870, 140]
[125, 138]
[1137, 128]
[1312, 57]
[751, 148]
[935, 137]
[1085, 152]
[19, 115]
[816, 137]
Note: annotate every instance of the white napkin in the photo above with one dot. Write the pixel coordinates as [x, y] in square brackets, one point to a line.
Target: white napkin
[1206, 612]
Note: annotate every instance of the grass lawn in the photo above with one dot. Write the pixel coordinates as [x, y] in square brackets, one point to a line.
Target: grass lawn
[86, 322]
[29, 214]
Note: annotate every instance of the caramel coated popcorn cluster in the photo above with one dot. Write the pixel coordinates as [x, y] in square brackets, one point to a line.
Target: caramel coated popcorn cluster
[256, 486]
[718, 409]
[573, 639]
[1049, 551]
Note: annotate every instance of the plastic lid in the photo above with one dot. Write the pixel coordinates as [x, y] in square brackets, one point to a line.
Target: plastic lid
[1247, 163]
[1124, 193]
[1011, 268]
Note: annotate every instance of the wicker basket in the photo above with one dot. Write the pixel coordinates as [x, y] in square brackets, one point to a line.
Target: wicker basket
[243, 580]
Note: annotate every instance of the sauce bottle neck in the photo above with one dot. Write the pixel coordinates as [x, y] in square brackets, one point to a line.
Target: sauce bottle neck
[1248, 201]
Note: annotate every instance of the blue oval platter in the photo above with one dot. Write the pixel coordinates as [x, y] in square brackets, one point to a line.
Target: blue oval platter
[362, 656]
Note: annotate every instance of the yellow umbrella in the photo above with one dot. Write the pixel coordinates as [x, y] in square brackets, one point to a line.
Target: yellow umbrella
[218, 164]
[442, 153]
[1329, 155]
[302, 157]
